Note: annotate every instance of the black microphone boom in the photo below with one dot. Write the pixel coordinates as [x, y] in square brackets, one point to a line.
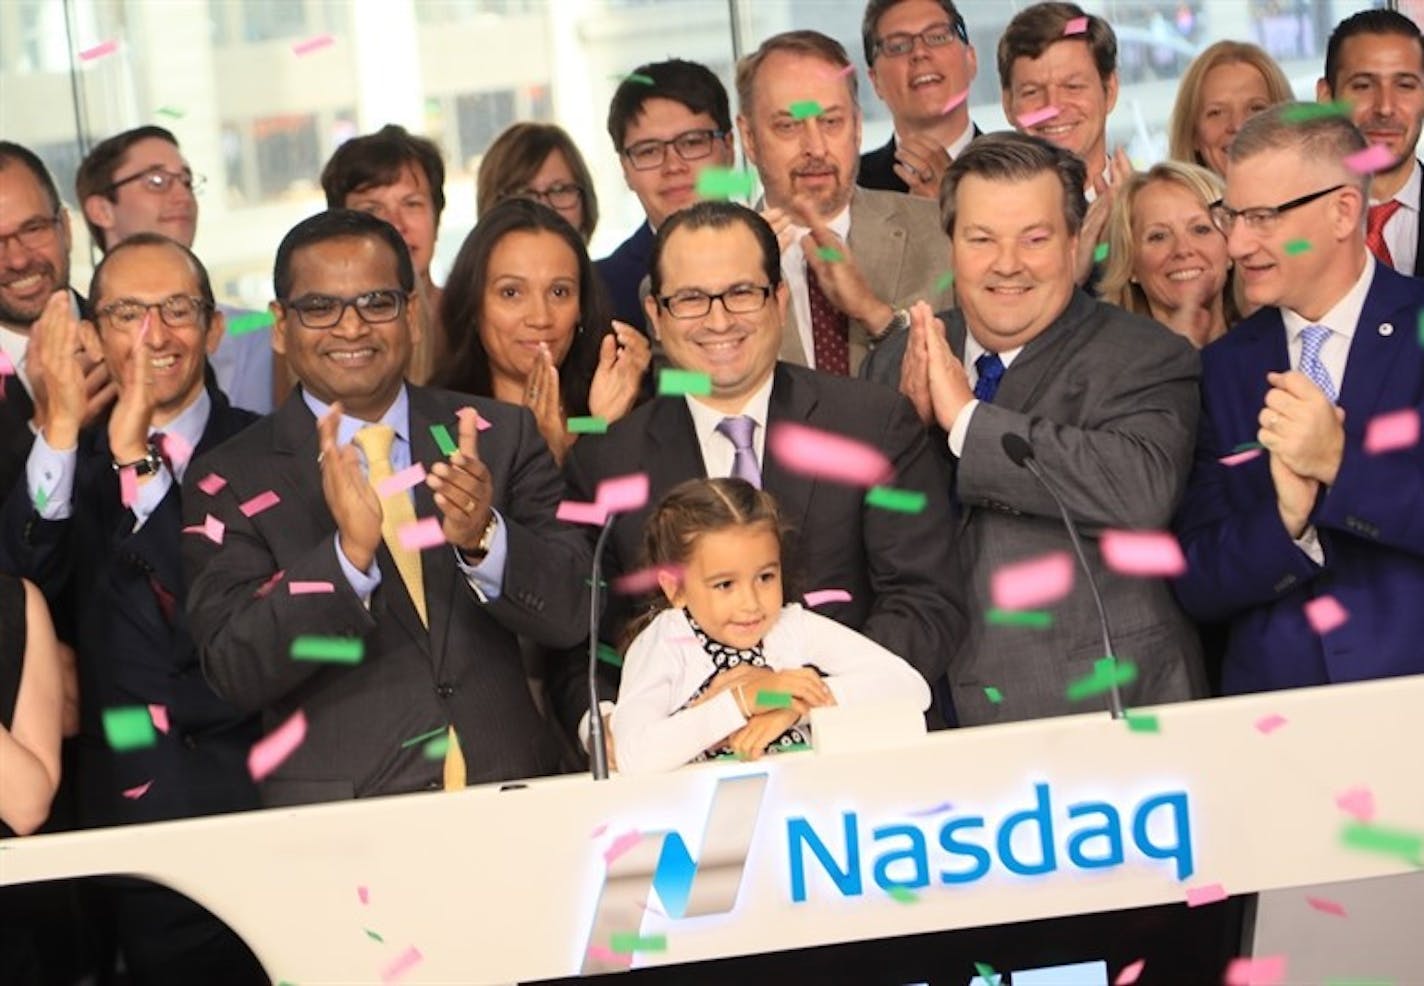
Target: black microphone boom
[1020, 452]
[597, 751]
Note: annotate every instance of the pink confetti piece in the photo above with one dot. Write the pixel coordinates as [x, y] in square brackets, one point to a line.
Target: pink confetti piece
[598, 830]
[1266, 725]
[313, 44]
[128, 486]
[363, 893]
[211, 484]
[1130, 973]
[480, 423]
[955, 100]
[401, 964]
[621, 845]
[259, 503]
[1208, 894]
[134, 793]
[268, 753]
[1358, 802]
[421, 534]
[177, 449]
[644, 580]
[1376, 157]
[212, 528]
[401, 481]
[1078, 25]
[1143, 553]
[574, 512]
[1324, 614]
[820, 597]
[7, 369]
[99, 50]
[603, 953]
[1038, 116]
[309, 588]
[266, 587]
[1327, 906]
[1269, 970]
[1236, 458]
[1034, 583]
[622, 494]
[825, 455]
[159, 715]
[1392, 432]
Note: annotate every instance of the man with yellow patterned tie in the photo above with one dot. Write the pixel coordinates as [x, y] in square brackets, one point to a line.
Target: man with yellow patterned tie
[351, 521]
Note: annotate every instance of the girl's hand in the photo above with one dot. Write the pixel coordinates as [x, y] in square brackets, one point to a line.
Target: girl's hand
[623, 358]
[751, 740]
[804, 686]
[742, 674]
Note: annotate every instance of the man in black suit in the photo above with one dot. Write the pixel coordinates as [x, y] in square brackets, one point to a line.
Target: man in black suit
[97, 524]
[718, 305]
[306, 538]
[1375, 62]
[34, 264]
[922, 65]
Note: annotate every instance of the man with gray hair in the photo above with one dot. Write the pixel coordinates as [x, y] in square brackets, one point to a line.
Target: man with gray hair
[1104, 400]
[1301, 523]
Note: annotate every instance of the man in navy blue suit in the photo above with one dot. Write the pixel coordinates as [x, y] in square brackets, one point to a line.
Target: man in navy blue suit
[1322, 525]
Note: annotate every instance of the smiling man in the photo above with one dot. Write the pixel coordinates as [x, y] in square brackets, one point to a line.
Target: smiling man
[853, 258]
[1375, 62]
[1106, 399]
[1328, 517]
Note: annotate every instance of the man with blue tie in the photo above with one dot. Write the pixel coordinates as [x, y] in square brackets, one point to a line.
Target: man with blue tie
[1312, 549]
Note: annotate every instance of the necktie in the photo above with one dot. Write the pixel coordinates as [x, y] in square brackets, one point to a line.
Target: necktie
[829, 330]
[991, 371]
[739, 431]
[396, 511]
[1312, 338]
[1374, 230]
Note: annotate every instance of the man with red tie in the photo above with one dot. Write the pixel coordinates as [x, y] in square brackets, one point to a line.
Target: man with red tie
[1375, 62]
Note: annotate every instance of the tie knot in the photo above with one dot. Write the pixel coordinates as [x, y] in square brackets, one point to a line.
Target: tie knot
[1314, 336]
[738, 430]
[1381, 213]
[990, 367]
[376, 441]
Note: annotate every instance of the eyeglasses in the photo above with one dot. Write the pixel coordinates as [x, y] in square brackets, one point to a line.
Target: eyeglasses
[691, 145]
[178, 311]
[324, 311]
[739, 299]
[159, 180]
[1263, 218]
[33, 235]
[562, 196]
[901, 44]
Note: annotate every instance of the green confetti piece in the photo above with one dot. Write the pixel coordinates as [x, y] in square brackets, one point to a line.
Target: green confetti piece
[900, 501]
[830, 255]
[794, 748]
[251, 322]
[1106, 672]
[416, 740]
[1295, 247]
[993, 694]
[608, 655]
[805, 108]
[635, 77]
[628, 942]
[903, 894]
[1315, 111]
[1100, 253]
[591, 425]
[774, 700]
[678, 383]
[601, 583]
[129, 727]
[41, 499]
[172, 112]
[945, 281]
[436, 748]
[441, 434]
[725, 183]
[1247, 447]
[373, 936]
[1386, 841]
[334, 650]
[1142, 723]
[1030, 618]
[987, 973]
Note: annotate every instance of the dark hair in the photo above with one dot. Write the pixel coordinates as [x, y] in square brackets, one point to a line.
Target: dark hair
[18, 153]
[462, 306]
[812, 44]
[1011, 156]
[714, 214]
[876, 9]
[694, 86]
[96, 280]
[1035, 28]
[516, 156]
[96, 172]
[1367, 22]
[337, 224]
[378, 159]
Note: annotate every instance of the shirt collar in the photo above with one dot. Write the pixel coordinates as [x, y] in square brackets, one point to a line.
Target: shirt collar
[972, 352]
[838, 224]
[955, 147]
[1408, 194]
[1345, 315]
[706, 418]
[397, 416]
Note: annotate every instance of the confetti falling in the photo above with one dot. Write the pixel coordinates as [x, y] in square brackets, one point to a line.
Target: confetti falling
[621, 844]
[211, 484]
[272, 750]
[1143, 553]
[158, 714]
[805, 109]
[590, 425]
[309, 588]
[1297, 247]
[1325, 614]
[1142, 722]
[1033, 583]
[774, 700]
[417, 535]
[825, 455]
[637, 79]
[954, 101]
[176, 448]
[1038, 116]
[1210, 893]
[1237, 458]
[822, 597]
[1266, 725]
[830, 254]
[401, 481]
[312, 44]
[1358, 802]
[249, 322]
[266, 587]
[1392, 432]
[134, 793]
[373, 936]
[945, 282]
[896, 500]
[1268, 970]
[993, 694]
[436, 748]
[363, 893]
[938, 809]
[680, 383]
[480, 423]
[128, 727]
[128, 486]
[1100, 253]
[443, 441]
[41, 499]
[1301, 112]
[332, 650]
[645, 580]
[1376, 157]
[422, 738]
[1130, 973]
[903, 894]
[173, 113]
[987, 973]
[609, 656]
[1078, 25]
[401, 964]
[259, 503]
[101, 50]
[725, 183]
[576, 512]
[1366, 837]
[1107, 672]
[628, 942]
[622, 494]
[1327, 906]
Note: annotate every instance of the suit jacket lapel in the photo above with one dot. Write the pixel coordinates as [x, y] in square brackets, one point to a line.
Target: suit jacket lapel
[789, 402]
[1419, 241]
[792, 351]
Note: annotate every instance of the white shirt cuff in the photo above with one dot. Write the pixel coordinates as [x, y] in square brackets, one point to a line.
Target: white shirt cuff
[960, 429]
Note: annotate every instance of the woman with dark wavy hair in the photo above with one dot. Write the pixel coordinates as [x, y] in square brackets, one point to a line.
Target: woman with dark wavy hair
[526, 320]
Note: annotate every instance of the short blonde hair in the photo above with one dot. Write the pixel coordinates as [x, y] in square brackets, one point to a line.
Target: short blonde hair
[1183, 126]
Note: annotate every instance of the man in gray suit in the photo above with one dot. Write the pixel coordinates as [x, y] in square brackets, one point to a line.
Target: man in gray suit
[1106, 399]
[854, 259]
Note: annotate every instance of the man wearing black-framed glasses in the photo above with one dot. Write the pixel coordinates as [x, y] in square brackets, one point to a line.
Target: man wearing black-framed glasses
[1326, 381]
[922, 65]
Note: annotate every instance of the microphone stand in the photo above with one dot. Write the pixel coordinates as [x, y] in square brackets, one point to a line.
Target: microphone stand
[598, 752]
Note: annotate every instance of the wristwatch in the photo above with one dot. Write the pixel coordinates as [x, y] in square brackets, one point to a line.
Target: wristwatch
[482, 549]
[147, 466]
[899, 322]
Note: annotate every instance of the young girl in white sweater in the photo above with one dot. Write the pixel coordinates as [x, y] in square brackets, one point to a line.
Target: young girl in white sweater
[729, 667]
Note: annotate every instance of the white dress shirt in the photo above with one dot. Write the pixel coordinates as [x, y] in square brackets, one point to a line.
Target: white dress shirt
[718, 453]
[1401, 233]
[793, 271]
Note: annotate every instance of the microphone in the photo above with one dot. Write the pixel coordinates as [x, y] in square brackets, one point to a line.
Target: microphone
[597, 751]
[1020, 452]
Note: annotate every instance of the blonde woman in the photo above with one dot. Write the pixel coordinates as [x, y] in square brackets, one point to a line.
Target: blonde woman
[1225, 85]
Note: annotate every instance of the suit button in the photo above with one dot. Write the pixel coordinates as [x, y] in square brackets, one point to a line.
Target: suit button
[433, 786]
[190, 741]
[444, 691]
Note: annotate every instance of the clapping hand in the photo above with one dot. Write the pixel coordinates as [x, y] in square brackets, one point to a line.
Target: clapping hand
[350, 497]
[464, 492]
[541, 395]
[623, 358]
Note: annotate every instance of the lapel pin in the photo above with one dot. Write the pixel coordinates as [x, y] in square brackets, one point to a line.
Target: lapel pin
[1386, 329]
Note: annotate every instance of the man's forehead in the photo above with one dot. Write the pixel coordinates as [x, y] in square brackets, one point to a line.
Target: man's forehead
[691, 256]
[153, 151]
[148, 268]
[21, 195]
[343, 260]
